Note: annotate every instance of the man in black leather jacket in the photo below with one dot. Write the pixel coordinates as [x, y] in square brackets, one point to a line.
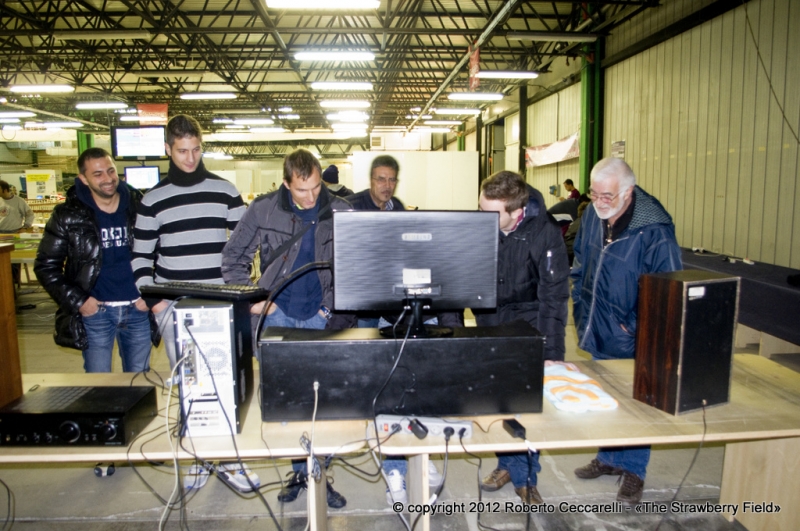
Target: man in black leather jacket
[83, 262]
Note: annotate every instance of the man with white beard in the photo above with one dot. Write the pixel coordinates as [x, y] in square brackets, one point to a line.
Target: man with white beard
[624, 234]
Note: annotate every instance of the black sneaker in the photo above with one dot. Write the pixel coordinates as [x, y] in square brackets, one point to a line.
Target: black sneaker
[291, 490]
[335, 500]
[630, 493]
[595, 469]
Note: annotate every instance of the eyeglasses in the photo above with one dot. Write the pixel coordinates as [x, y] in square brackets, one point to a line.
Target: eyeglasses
[603, 198]
[384, 180]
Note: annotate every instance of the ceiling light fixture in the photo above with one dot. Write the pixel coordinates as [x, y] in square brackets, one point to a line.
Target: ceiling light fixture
[52, 125]
[288, 116]
[442, 122]
[415, 116]
[267, 130]
[234, 126]
[342, 85]
[323, 4]
[129, 118]
[101, 105]
[457, 112]
[50, 89]
[474, 96]
[506, 74]
[222, 121]
[431, 130]
[9, 120]
[12, 127]
[334, 56]
[209, 96]
[17, 114]
[111, 35]
[348, 116]
[284, 109]
[344, 104]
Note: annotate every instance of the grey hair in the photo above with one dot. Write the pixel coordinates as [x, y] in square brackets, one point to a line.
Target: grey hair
[614, 167]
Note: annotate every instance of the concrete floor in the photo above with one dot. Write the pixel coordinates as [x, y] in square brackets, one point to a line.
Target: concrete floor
[71, 497]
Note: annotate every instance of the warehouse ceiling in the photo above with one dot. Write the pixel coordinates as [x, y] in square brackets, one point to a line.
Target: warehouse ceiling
[153, 51]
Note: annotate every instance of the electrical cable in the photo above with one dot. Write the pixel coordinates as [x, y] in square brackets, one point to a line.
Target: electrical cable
[435, 496]
[232, 432]
[11, 505]
[691, 465]
[461, 433]
[766, 73]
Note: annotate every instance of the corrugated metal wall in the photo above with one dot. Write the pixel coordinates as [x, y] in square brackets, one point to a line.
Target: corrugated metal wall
[713, 136]
[551, 119]
[651, 21]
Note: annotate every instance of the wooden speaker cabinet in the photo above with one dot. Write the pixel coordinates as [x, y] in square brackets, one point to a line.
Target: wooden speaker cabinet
[684, 340]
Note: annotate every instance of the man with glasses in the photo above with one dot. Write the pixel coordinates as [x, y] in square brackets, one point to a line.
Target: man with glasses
[383, 181]
[624, 234]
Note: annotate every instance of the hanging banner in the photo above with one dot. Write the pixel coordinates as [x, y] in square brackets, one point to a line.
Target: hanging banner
[564, 149]
[474, 68]
[153, 113]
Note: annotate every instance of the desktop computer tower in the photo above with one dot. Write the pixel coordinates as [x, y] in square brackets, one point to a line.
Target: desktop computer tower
[684, 339]
[214, 342]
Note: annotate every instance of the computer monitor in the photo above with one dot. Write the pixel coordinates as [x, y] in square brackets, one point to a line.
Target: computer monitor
[138, 142]
[142, 177]
[415, 260]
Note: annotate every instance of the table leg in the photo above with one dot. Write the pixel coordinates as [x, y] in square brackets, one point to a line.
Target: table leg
[766, 474]
[317, 499]
[418, 488]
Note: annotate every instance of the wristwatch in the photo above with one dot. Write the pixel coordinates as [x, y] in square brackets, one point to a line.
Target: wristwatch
[326, 312]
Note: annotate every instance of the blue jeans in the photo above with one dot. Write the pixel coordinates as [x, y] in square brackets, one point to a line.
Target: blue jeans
[632, 459]
[519, 468]
[395, 463]
[129, 326]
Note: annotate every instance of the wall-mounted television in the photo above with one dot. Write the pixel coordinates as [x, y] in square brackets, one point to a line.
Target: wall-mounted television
[138, 142]
[142, 177]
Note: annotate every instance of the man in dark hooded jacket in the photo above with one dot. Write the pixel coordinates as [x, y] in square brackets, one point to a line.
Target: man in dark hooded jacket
[532, 285]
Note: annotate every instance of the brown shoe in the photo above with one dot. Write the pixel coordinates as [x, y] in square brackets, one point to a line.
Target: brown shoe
[630, 492]
[495, 480]
[529, 495]
[595, 469]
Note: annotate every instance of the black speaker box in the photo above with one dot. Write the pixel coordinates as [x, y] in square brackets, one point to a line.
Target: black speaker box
[477, 371]
[684, 340]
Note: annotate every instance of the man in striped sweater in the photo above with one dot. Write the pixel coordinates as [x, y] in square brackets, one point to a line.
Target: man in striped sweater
[182, 223]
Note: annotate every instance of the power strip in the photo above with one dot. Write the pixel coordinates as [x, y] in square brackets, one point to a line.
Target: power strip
[435, 425]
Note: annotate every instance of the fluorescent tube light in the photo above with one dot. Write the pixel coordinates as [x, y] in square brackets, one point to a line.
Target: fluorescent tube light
[474, 96]
[442, 122]
[101, 105]
[111, 35]
[267, 130]
[334, 56]
[30, 89]
[17, 114]
[209, 96]
[129, 118]
[501, 74]
[344, 104]
[341, 85]
[323, 4]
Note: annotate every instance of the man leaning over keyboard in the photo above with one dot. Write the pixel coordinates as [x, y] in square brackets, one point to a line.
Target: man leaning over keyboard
[292, 227]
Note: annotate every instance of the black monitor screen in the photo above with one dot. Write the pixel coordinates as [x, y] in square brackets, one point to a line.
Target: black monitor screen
[142, 177]
[381, 259]
[145, 142]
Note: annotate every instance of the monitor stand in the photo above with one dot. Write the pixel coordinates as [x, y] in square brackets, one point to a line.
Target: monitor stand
[417, 324]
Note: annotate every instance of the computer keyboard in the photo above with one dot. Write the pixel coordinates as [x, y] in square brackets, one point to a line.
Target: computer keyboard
[216, 292]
